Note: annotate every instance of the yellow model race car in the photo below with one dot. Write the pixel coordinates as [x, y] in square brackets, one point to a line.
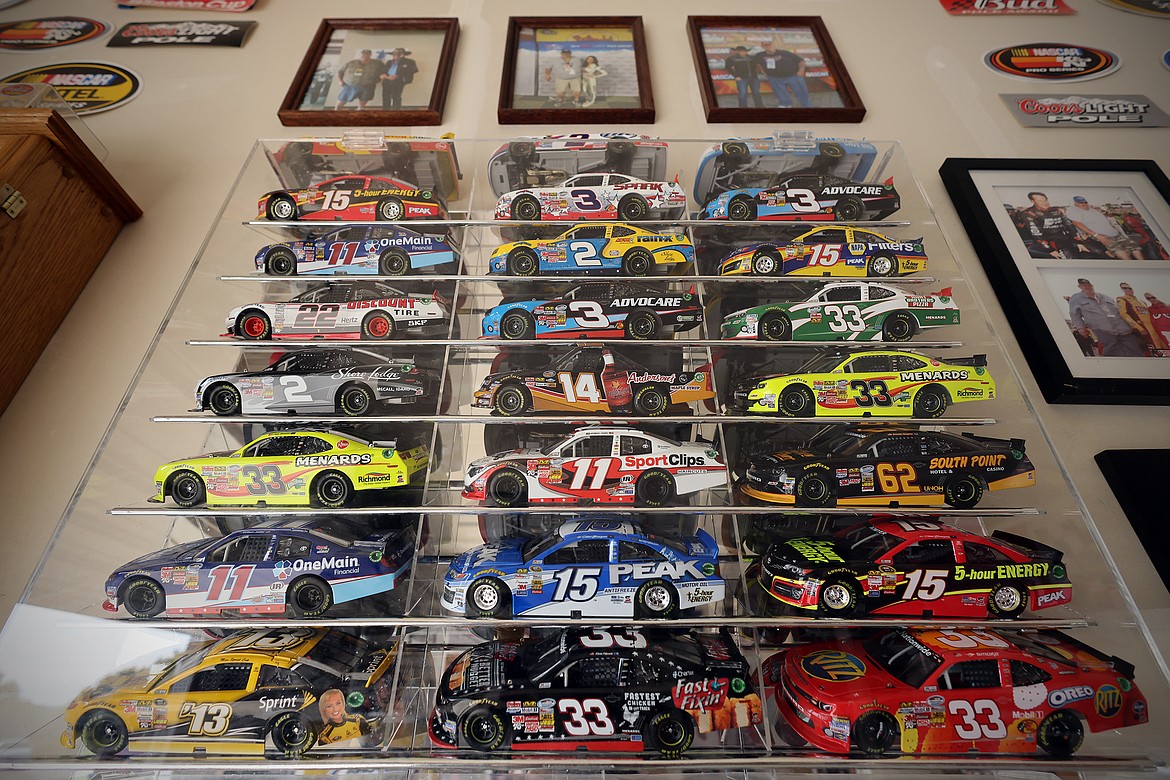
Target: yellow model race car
[867, 384]
[319, 468]
[610, 249]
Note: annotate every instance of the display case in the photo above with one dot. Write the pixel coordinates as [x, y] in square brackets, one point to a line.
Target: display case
[663, 391]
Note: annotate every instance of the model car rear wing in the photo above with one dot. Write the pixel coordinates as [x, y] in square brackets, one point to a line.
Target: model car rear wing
[980, 361]
[1120, 665]
[1037, 549]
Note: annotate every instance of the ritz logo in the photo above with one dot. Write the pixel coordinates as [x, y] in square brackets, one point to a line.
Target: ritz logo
[1107, 701]
[833, 665]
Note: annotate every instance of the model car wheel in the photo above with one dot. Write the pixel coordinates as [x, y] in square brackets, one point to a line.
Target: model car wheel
[847, 209]
[741, 209]
[1006, 601]
[223, 399]
[898, 326]
[526, 208]
[651, 401]
[391, 210]
[521, 151]
[487, 598]
[963, 491]
[523, 262]
[736, 150]
[774, 326]
[670, 732]
[1060, 734]
[881, 265]
[642, 325]
[797, 401]
[875, 732]
[632, 208]
[280, 262]
[507, 487]
[332, 489]
[654, 488]
[832, 151]
[104, 734]
[766, 263]
[308, 597]
[355, 400]
[616, 150]
[378, 326]
[814, 488]
[511, 400]
[839, 598]
[253, 325]
[143, 597]
[484, 728]
[393, 262]
[656, 599]
[282, 207]
[930, 402]
[187, 489]
[516, 324]
[637, 262]
[292, 734]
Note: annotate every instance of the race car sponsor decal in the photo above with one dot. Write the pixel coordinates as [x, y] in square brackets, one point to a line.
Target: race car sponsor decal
[182, 34]
[1052, 61]
[833, 666]
[1006, 7]
[1069, 695]
[88, 87]
[49, 33]
[233, 6]
[1107, 701]
[1157, 8]
[1033, 110]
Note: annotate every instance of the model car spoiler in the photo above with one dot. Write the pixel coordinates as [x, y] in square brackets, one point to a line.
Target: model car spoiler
[1015, 444]
[1037, 549]
[980, 361]
[1120, 665]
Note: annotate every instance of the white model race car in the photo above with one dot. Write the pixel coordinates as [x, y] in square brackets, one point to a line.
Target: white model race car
[594, 196]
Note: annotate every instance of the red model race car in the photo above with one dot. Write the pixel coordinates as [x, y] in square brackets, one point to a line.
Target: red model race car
[353, 197]
[949, 691]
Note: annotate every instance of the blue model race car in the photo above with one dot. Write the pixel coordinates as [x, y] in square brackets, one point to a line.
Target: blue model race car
[592, 568]
[615, 248]
[302, 566]
[389, 250]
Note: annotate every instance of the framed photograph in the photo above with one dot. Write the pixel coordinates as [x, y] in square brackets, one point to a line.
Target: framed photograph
[573, 69]
[373, 72]
[1078, 252]
[771, 69]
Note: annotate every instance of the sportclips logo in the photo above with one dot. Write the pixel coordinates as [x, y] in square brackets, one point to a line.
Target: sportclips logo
[1053, 62]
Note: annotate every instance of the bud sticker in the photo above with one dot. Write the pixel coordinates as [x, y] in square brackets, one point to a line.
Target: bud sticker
[88, 87]
[1086, 111]
[235, 6]
[1005, 7]
[49, 33]
[1052, 62]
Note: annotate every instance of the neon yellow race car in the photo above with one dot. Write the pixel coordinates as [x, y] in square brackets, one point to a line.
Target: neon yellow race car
[320, 468]
[610, 249]
[877, 383]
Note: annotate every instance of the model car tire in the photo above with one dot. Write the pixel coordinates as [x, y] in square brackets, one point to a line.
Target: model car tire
[393, 262]
[847, 209]
[642, 325]
[735, 152]
[774, 326]
[223, 399]
[814, 488]
[281, 208]
[253, 325]
[615, 150]
[292, 734]
[516, 324]
[526, 208]
[830, 150]
[355, 400]
[484, 728]
[637, 262]
[898, 326]
[797, 401]
[654, 488]
[521, 151]
[875, 732]
[930, 402]
[651, 401]
[881, 265]
[512, 399]
[632, 208]
[657, 599]
[1060, 734]
[280, 262]
[963, 491]
[332, 489]
[523, 262]
[507, 487]
[487, 597]
[391, 210]
[143, 597]
[308, 597]
[670, 732]
[1006, 601]
[187, 489]
[839, 597]
[766, 263]
[741, 209]
[104, 734]
[378, 326]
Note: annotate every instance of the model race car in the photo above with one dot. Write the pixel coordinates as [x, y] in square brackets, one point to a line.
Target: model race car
[832, 250]
[597, 689]
[914, 567]
[882, 383]
[590, 568]
[353, 382]
[595, 196]
[845, 311]
[596, 310]
[284, 689]
[353, 198]
[342, 310]
[600, 463]
[952, 691]
[390, 250]
[592, 379]
[291, 468]
[812, 196]
[606, 249]
[295, 566]
[542, 161]
[889, 466]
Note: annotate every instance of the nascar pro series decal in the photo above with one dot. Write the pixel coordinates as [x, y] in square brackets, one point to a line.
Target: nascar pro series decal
[88, 87]
[49, 33]
[1052, 62]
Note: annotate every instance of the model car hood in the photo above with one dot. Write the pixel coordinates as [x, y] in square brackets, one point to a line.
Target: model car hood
[509, 455]
[784, 459]
[201, 456]
[505, 552]
[804, 553]
[126, 682]
[482, 668]
[181, 552]
[837, 671]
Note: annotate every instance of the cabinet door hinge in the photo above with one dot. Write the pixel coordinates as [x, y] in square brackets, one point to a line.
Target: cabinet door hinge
[11, 201]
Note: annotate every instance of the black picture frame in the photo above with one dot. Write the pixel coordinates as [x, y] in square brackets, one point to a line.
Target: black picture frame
[1005, 255]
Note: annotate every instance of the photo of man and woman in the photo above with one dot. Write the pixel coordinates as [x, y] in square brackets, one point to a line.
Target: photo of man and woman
[382, 70]
[575, 68]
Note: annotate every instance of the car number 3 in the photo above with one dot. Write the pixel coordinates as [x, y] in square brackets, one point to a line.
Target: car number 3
[588, 314]
[585, 717]
[585, 200]
[979, 719]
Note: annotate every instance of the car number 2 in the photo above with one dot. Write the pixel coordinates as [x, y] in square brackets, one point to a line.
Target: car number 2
[584, 254]
[585, 717]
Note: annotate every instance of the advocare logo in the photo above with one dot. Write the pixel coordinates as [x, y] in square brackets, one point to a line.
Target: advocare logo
[88, 87]
[1052, 62]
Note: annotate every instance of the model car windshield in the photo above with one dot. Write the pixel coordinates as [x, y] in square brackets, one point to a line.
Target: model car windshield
[868, 544]
[907, 661]
[820, 364]
[538, 546]
[181, 665]
[336, 654]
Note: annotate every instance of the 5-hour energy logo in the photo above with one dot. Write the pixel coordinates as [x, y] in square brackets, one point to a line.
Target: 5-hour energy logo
[88, 87]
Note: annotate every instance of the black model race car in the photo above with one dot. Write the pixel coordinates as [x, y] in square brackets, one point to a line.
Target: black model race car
[807, 196]
[888, 466]
[595, 688]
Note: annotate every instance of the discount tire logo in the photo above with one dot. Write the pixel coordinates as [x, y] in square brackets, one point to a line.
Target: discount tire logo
[88, 87]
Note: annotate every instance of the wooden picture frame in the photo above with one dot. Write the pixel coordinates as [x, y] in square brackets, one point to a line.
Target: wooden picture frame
[824, 92]
[531, 93]
[313, 98]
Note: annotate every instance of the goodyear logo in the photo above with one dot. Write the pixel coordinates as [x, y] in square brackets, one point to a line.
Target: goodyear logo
[88, 87]
[833, 666]
[1107, 702]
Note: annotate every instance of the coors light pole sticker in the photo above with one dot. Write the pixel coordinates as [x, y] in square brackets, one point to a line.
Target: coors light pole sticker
[1053, 62]
[1086, 111]
[88, 87]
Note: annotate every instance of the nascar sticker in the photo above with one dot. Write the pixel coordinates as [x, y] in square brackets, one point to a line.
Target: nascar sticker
[1086, 110]
[234, 6]
[88, 87]
[1052, 62]
[49, 33]
[1005, 7]
[182, 34]
[1158, 8]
